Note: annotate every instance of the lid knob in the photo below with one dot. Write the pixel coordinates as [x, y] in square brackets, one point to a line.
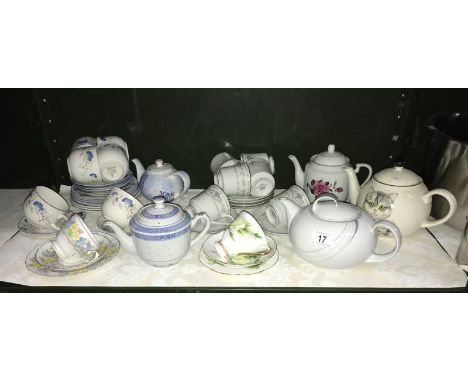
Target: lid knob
[158, 202]
[399, 166]
[331, 148]
[159, 162]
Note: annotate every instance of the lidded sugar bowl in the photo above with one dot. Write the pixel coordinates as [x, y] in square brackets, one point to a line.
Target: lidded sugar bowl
[160, 233]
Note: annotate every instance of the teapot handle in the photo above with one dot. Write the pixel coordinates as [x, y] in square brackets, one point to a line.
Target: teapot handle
[204, 216]
[369, 168]
[427, 198]
[185, 181]
[375, 257]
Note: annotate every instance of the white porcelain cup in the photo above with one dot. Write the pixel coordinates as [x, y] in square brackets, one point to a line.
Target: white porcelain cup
[74, 243]
[44, 208]
[262, 182]
[84, 142]
[234, 180]
[113, 140]
[113, 162]
[244, 235]
[213, 201]
[275, 211]
[222, 160]
[245, 157]
[119, 206]
[83, 165]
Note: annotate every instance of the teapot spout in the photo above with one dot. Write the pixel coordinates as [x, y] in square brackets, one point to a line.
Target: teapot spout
[291, 208]
[139, 168]
[354, 187]
[298, 172]
[126, 240]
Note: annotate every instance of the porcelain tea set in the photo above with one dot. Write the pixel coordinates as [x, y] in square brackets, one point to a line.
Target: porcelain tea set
[332, 220]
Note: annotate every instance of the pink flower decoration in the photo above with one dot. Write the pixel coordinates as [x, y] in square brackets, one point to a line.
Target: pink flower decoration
[319, 187]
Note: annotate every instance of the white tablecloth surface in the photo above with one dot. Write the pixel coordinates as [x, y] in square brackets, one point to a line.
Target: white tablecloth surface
[421, 263]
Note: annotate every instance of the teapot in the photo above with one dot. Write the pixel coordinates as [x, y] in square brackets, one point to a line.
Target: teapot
[161, 179]
[160, 233]
[334, 234]
[325, 173]
[399, 195]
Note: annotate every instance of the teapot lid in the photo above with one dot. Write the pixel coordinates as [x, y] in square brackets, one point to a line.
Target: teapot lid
[330, 157]
[159, 167]
[398, 176]
[160, 217]
[328, 208]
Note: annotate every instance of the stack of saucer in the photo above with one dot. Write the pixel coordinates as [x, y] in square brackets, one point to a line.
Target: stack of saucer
[90, 196]
[248, 201]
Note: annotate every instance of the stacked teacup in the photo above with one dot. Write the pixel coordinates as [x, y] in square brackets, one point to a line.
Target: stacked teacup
[247, 182]
[96, 165]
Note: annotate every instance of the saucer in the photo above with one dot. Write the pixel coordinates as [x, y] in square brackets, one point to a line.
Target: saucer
[100, 223]
[44, 261]
[215, 226]
[208, 257]
[26, 227]
[260, 215]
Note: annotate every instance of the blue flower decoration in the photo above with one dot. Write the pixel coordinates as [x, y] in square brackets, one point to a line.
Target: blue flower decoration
[168, 196]
[89, 155]
[114, 193]
[127, 201]
[39, 205]
[93, 175]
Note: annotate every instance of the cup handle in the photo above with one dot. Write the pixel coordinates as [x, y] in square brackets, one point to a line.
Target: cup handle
[61, 217]
[427, 198]
[205, 229]
[369, 168]
[229, 217]
[185, 180]
[376, 258]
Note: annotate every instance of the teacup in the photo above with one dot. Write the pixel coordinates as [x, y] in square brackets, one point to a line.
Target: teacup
[213, 201]
[243, 236]
[245, 157]
[234, 180]
[83, 165]
[222, 160]
[84, 142]
[44, 208]
[262, 182]
[114, 140]
[113, 162]
[275, 211]
[74, 243]
[119, 206]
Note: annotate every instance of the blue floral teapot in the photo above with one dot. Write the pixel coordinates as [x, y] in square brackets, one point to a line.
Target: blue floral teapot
[161, 179]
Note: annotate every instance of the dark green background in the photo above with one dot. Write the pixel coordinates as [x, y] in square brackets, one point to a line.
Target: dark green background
[187, 127]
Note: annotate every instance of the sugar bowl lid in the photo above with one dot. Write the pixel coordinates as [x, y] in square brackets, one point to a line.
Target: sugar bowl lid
[330, 157]
[160, 217]
[159, 167]
[398, 176]
[327, 207]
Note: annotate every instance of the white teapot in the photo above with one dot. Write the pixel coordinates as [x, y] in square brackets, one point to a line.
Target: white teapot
[161, 179]
[334, 234]
[399, 195]
[325, 173]
[160, 233]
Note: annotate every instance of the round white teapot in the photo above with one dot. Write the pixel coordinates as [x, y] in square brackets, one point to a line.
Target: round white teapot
[325, 173]
[161, 179]
[334, 234]
[399, 195]
[160, 233]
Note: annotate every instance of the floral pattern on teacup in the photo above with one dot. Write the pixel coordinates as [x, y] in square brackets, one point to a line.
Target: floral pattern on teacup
[124, 203]
[86, 165]
[318, 187]
[79, 237]
[242, 228]
[37, 208]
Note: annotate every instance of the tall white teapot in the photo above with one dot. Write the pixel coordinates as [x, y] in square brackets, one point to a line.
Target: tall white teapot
[399, 195]
[325, 173]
